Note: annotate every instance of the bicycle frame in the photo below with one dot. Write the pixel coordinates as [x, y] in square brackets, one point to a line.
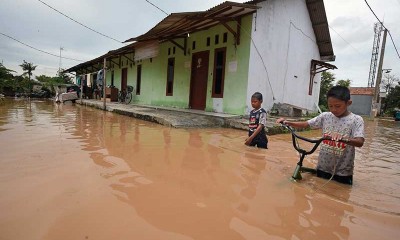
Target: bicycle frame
[299, 167]
[125, 95]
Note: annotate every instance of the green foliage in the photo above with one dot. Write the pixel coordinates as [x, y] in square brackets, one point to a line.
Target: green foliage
[392, 100]
[22, 84]
[50, 83]
[65, 78]
[344, 83]
[5, 73]
[28, 68]
[389, 81]
[6, 77]
[327, 80]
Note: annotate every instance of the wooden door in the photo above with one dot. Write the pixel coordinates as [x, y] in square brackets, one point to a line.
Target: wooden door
[199, 79]
[124, 78]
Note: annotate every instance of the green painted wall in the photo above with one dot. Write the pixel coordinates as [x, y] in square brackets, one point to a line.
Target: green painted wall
[154, 71]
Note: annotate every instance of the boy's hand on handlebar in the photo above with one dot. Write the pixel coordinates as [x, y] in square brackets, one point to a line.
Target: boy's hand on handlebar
[280, 120]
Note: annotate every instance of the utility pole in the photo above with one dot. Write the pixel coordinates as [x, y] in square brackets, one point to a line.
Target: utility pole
[59, 68]
[104, 83]
[376, 104]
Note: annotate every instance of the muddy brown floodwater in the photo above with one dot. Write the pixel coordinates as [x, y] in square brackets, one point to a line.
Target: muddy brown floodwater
[71, 172]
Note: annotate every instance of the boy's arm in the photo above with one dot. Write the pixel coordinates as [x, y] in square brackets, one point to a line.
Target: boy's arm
[301, 124]
[254, 134]
[356, 142]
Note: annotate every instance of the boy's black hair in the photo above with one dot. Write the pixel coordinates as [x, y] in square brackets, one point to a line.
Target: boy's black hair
[258, 96]
[339, 92]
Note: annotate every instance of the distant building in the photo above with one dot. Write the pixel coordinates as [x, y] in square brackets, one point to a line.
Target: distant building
[362, 98]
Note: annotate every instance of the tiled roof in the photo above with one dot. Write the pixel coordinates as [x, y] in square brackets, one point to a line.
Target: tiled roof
[362, 91]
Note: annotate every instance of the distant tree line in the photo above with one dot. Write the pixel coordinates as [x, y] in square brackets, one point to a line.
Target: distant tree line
[12, 84]
[390, 84]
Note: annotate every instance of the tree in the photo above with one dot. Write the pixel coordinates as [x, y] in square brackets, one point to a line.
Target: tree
[392, 100]
[50, 82]
[5, 73]
[64, 77]
[28, 68]
[344, 83]
[327, 80]
[6, 78]
[389, 81]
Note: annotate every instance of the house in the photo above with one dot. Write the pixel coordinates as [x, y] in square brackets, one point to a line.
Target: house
[215, 60]
[362, 98]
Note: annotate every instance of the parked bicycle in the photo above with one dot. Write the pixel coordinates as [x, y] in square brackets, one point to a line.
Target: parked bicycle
[125, 95]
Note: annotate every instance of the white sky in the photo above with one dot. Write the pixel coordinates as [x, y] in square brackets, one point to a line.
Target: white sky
[35, 24]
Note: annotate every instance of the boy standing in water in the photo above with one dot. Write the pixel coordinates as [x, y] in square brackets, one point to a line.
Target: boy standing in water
[336, 158]
[257, 120]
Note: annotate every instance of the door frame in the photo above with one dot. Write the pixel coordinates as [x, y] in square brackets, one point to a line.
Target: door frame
[192, 77]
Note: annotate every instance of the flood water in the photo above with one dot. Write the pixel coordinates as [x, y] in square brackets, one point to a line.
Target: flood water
[72, 172]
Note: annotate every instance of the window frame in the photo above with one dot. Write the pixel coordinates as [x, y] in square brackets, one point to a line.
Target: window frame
[171, 93]
[138, 78]
[221, 94]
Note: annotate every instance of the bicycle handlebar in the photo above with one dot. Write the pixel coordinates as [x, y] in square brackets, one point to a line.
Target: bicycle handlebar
[295, 135]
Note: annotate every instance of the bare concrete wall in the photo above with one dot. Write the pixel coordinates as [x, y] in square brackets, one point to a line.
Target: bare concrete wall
[361, 104]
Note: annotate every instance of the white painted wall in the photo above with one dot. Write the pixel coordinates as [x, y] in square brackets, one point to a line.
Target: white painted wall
[287, 53]
[218, 105]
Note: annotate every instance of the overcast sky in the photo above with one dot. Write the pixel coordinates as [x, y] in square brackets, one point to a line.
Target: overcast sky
[37, 25]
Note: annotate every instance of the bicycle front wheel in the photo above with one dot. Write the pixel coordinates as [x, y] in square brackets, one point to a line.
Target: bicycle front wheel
[128, 98]
[119, 97]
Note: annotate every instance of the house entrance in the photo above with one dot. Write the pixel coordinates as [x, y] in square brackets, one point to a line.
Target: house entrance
[124, 78]
[198, 81]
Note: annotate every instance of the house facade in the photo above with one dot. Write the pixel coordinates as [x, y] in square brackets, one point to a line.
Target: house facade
[215, 60]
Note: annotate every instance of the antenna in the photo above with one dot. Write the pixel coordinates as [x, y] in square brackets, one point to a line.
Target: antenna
[59, 68]
[378, 28]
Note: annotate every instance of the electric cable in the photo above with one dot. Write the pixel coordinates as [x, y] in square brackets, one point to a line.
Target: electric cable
[37, 49]
[83, 25]
[157, 7]
[344, 39]
[384, 27]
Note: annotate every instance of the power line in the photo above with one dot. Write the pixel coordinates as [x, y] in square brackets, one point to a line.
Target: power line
[384, 27]
[344, 39]
[83, 25]
[157, 7]
[37, 49]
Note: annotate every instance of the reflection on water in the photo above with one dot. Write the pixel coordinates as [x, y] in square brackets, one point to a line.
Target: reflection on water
[88, 174]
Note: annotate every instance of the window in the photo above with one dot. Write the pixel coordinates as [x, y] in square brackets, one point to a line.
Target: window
[169, 51]
[225, 38]
[219, 73]
[216, 39]
[138, 79]
[208, 41]
[170, 76]
[193, 45]
[173, 50]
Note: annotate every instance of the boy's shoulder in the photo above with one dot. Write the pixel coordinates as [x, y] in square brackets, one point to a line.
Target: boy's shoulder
[324, 115]
[262, 110]
[357, 118]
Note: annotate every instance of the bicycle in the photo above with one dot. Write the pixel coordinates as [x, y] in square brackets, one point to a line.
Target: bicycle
[299, 167]
[125, 95]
